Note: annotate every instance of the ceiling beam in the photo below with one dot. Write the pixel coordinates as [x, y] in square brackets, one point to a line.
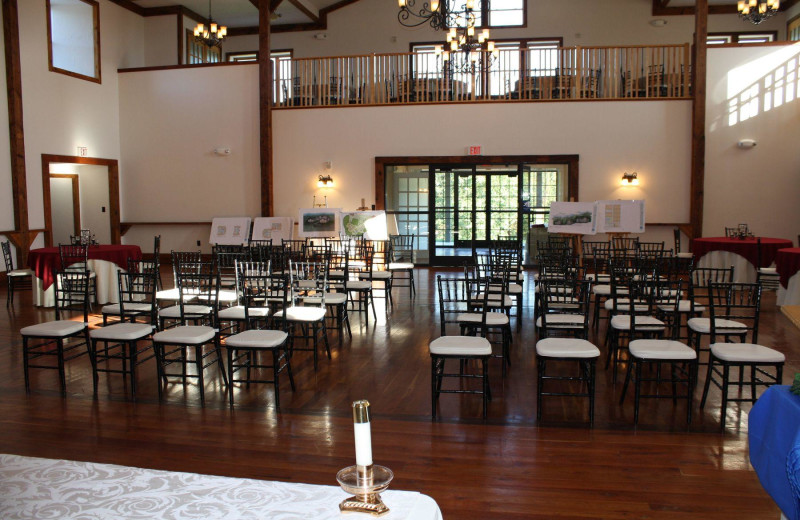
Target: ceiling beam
[130, 6]
[314, 17]
[265, 85]
[274, 5]
[662, 8]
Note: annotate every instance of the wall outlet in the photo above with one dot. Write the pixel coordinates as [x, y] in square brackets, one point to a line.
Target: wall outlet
[103, 209]
[198, 243]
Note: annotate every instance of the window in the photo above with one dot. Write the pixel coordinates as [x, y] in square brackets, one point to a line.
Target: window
[793, 29]
[281, 74]
[542, 57]
[197, 53]
[741, 38]
[73, 38]
[240, 57]
[497, 13]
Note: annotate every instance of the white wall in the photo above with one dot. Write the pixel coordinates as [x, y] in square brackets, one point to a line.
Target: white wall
[369, 26]
[61, 112]
[748, 98]
[160, 40]
[63, 209]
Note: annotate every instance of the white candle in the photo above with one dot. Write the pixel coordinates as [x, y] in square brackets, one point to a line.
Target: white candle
[363, 435]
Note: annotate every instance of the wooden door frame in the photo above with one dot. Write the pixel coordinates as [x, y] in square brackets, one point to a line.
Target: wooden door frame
[76, 199]
[113, 191]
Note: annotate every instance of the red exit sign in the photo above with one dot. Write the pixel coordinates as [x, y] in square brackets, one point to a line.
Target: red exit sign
[474, 150]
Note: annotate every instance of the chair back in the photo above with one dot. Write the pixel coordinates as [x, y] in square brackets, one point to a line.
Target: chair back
[72, 293]
[320, 253]
[338, 271]
[309, 283]
[565, 297]
[402, 248]
[9, 261]
[296, 249]
[676, 234]
[191, 258]
[259, 289]
[453, 300]
[195, 281]
[666, 295]
[259, 250]
[137, 288]
[360, 263]
[700, 278]
[73, 257]
[381, 253]
[738, 302]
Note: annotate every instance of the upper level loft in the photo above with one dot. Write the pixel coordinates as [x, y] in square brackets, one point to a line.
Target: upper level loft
[510, 74]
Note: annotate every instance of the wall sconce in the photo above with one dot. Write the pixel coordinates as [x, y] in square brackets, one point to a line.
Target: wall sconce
[325, 181]
[629, 179]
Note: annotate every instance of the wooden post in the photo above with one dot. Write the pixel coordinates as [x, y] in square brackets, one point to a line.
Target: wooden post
[698, 118]
[265, 108]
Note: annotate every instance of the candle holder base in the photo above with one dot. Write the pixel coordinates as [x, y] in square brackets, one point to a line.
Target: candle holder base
[367, 498]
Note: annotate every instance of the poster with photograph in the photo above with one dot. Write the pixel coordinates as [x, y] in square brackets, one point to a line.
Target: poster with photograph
[577, 218]
[273, 228]
[620, 216]
[230, 231]
[369, 224]
[319, 222]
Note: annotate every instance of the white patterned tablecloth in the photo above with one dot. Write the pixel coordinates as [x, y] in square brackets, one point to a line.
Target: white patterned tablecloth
[62, 489]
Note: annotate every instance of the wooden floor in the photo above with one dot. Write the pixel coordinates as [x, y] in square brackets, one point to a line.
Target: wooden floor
[509, 467]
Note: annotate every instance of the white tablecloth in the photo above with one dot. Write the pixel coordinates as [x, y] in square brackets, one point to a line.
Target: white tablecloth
[790, 295]
[107, 286]
[743, 270]
[47, 488]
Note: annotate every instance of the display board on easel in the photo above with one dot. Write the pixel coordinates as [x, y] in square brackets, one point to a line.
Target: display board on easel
[620, 216]
[230, 231]
[369, 224]
[573, 218]
[273, 228]
[319, 222]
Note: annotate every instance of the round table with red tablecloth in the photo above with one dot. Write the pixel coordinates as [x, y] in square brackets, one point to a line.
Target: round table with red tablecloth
[104, 260]
[787, 263]
[741, 253]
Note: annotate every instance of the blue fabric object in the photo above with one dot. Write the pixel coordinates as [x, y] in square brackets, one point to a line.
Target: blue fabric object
[774, 438]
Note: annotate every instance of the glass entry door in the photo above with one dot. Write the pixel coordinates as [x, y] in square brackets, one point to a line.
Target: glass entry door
[470, 206]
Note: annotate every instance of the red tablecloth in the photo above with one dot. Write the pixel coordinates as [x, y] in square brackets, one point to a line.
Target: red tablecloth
[46, 261]
[748, 248]
[788, 263]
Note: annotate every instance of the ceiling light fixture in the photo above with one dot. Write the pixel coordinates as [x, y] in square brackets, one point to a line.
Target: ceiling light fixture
[630, 179]
[211, 37]
[467, 51]
[756, 11]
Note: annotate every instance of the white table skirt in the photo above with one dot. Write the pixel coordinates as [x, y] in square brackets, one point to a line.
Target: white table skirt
[107, 285]
[790, 295]
[743, 270]
[47, 488]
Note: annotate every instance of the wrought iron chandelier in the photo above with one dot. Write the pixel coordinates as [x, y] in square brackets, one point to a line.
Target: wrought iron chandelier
[466, 52]
[756, 11]
[211, 37]
[433, 13]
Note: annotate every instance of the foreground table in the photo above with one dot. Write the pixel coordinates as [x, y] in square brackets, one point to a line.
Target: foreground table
[787, 262]
[774, 438]
[104, 260]
[741, 254]
[47, 488]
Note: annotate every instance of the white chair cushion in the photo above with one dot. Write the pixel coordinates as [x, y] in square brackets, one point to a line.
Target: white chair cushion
[54, 329]
[122, 332]
[623, 304]
[336, 274]
[623, 322]
[400, 266]
[257, 339]
[492, 318]
[684, 255]
[307, 314]
[602, 290]
[562, 320]
[746, 353]
[661, 349]
[683, 306]
[189, 310]
[376, 275]
[331, 298]
[114, 308]
[514, 288]
[19, 273]
[359, 285]
[460, 346]
[603, 278]
[566, 348]
[703, 326]
[173, 295]
[185, 335]
[494, 301]
[768, 270]
[237, 313]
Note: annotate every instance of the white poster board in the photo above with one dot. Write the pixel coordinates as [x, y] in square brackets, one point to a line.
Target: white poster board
[369, 224]
[577, 218]
[319, 222]
[273, 228]
[620, 216]
[230, 231]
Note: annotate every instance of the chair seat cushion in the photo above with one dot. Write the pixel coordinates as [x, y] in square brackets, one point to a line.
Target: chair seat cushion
[768, 270]
[115, 310]
[335, 273]
[122, 332]
[684, 255]
[492, 318]
[493, 301]
[514, 288]
[460, 346]
[623, 305]
[746, 353]
[601, 290]
[185, 335]
[53, 329]
[683, 306]
[703, 326]
[173, 295]
[566, 348]
[562, 320]
[359, 285]
[306, 314]
[257, 339]
[661, 349]
[19, 273]
[623, 322]
[376, 275]
[400, 266]
[331, 298]
[237, 312]
[193, 310]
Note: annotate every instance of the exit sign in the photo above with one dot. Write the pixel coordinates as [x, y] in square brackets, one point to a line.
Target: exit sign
[474, 150]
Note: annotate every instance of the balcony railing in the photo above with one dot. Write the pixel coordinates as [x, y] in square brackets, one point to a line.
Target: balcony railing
[526, 74]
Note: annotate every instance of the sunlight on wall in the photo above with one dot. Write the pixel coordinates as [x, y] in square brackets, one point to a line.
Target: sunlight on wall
[776, 85]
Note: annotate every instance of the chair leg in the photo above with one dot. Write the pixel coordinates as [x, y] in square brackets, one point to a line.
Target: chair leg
[723, 412]
[485, 364]
[709, 375]
[198, 359]
[62, 377]
[230, 374]
[433, 387]
[540, 366]
[25, 364]
[637, 390]
[92, 353]
[592, 382]
[275, 371]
